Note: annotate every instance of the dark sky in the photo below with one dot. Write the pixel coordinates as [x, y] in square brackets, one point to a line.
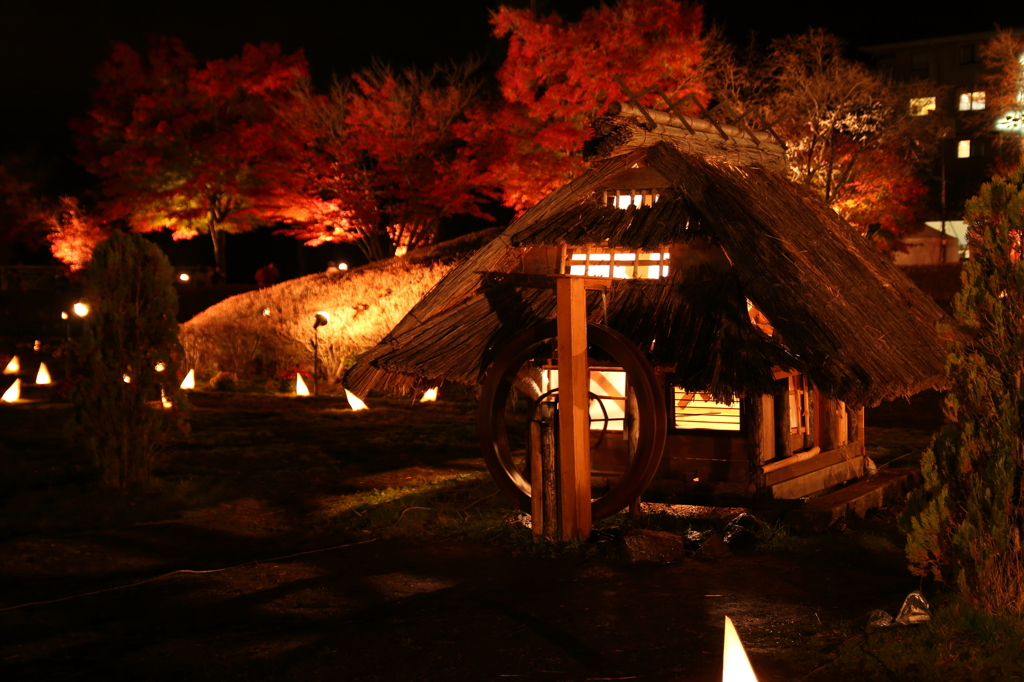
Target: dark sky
[48, 50]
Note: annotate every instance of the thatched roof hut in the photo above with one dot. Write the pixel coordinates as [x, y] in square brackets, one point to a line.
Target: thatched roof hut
[738, 235]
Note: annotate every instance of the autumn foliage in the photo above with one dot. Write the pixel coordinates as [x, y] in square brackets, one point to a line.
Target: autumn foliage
[73, 234]
[190, 148]
[558, 75]
[380, 164]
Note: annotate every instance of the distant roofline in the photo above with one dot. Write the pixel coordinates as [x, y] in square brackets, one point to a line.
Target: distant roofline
[928, 42]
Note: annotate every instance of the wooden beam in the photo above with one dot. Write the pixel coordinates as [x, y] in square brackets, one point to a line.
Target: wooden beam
[573, 410]
[782, 444]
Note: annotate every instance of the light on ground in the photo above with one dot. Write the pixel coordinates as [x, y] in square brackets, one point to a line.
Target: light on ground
[189, 382]
[13, 367]
[43, 375]
[430, 396]
[81, 309]
[354, 402]
[300, 386]
[165, 401]
[13, 393]
[160, 367]
[735, 664]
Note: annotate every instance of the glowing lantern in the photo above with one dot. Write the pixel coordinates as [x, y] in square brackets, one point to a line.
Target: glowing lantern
[13, 367]
[735, 664]
[127, 379]
[81, 309]
[160, 367]
[300, 385]
[165, 401]
[63, 315]
[189, 382]
[37, 345]
[184, 277]
[13, 393]
[43, 375]
[343, 266]
[430, 396]
[354, 402]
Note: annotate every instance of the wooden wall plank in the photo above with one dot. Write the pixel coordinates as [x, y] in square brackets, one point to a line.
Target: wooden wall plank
[573, 409]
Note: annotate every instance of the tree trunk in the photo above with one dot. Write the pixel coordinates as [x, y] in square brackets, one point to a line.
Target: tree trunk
[219, 259]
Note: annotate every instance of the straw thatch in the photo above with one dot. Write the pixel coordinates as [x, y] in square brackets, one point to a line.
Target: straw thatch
[842, 314]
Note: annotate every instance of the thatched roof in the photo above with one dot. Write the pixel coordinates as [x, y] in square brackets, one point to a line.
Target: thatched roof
[843, 315]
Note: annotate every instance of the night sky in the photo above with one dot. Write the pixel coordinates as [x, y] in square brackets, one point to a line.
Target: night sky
[49, 50]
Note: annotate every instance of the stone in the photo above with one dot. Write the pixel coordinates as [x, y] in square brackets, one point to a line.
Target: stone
[713, 549]
[652, 546]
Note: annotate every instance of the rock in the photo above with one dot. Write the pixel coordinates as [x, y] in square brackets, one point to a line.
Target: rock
[739, 539]
[652, 546]
[714, 548]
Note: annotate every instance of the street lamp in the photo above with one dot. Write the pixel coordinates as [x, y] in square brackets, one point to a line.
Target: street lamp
[319, 320]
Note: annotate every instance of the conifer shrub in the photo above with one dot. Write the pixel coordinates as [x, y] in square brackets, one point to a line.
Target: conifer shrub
[129, 354]
[964, 524]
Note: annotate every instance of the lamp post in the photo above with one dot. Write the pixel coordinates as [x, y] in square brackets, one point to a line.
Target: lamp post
[319, 320]
[81, 310]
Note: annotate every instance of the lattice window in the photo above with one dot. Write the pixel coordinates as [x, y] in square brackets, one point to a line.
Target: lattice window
[616, 263]
[972, 101]
[624, 198]
[607, 390]
[700, 411]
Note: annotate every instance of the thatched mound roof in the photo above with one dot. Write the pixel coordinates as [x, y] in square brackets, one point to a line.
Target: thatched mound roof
[842, 314]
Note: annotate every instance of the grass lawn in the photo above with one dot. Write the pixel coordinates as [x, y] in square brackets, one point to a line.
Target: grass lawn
[423, 577]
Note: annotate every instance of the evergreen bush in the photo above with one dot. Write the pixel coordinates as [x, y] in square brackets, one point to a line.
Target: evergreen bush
[964, 525]
[129, 354]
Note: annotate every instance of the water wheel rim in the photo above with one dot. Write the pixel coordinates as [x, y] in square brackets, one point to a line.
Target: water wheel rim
[651, 413]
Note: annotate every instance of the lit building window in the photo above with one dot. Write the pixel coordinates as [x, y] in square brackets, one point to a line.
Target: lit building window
[616, 264]
[700, 411]
[922, 106]
[624, 198]
[607, 396]
[963, 149]
[972, 101]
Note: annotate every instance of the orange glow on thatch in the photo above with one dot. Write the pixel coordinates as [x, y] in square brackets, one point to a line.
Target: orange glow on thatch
[189, 382]
[12, 394]
[13, 367]
[300, 385]
[354, 402]
[43, 375]
[430, 396]
[735, 664]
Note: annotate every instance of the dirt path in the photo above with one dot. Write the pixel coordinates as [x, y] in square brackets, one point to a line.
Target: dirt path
[388, 610]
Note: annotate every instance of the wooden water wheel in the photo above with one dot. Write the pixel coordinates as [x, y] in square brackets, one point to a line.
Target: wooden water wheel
[650, 416]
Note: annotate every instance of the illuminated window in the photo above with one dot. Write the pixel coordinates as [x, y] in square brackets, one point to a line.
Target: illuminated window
[624, 198]
[700, 411]
[607, 391]
[922, 106]
[963, 149]
[616, 263]
[972, 101]
[798, 404]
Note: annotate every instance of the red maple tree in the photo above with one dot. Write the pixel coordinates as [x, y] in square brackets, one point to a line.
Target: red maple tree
[558, 75]
[380, 161]
[74, 234]
[194, 149]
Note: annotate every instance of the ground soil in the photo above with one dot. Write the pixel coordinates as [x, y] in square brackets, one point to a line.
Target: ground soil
[379, 606]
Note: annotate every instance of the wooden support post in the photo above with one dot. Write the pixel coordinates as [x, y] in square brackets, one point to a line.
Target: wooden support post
[632, 433]
[829, 424]
[573, 410]
[782, 444]
[543, 474]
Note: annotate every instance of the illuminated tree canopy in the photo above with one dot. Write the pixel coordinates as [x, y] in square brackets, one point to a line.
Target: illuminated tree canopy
[189, 148]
